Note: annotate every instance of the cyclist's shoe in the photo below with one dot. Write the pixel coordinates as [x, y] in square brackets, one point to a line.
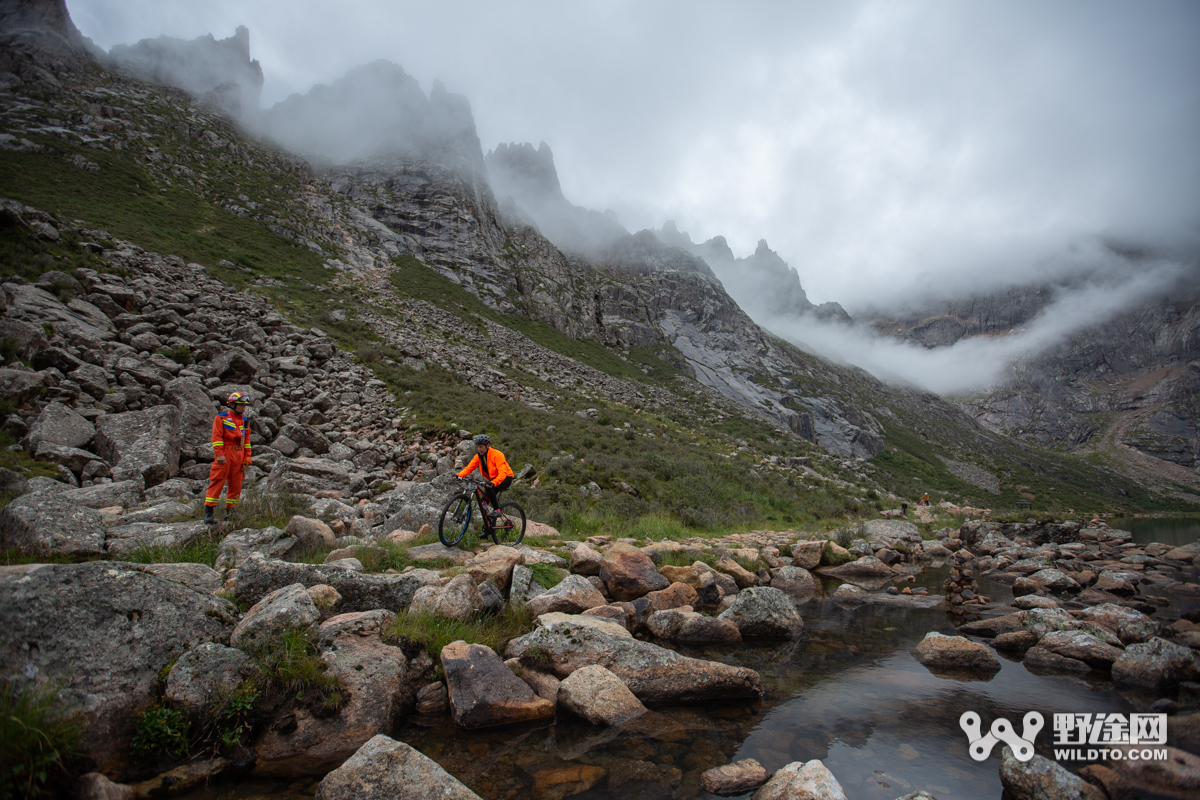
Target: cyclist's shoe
[493, 518]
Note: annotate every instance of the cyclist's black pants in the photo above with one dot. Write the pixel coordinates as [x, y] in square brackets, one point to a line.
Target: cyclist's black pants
[493, 492]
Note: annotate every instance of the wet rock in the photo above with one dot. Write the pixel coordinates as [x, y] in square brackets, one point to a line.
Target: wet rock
[432, 700]
[1156, 664]
[937, 651]
[764, 612]
[182, 779]
[1042, 779]
[141, 444]
[311, 533]
[1018, 641]
[257, 576]
[103, 630]
[459, 599]
[204, 674]
[495, 566]
[565, 779]
[269, 542]
[379, 687]
[484, 692]
[676, 595]
[572, 595]
[811, 780]
[794, 580]
[681, 625]
[736, 778]
[1123, 584]
[1041, 659]
[652, 673]
[608, 626]
[288, 608]
[51, 523]
[1082, 646]
[864, 567]
[585, 561]
[599, 696]
[628, 573]
[94, 786]
[384, 769]
[62, 425]
[807, 555]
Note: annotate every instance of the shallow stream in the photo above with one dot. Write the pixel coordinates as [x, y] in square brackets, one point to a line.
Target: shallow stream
[848, 693]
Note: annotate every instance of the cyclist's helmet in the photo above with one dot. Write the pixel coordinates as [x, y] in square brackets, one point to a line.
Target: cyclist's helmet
[237, 397]
[482, 438]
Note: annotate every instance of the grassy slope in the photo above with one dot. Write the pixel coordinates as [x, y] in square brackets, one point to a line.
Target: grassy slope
[682, 479]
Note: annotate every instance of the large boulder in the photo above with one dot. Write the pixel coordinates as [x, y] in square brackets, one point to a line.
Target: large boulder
[810, 780]
[628, 573]
[585, 560]
[312, 533]
[63, 425]
[794, 580]
[459, 599]
[736, 778]
[200, 577]
[205, 674]
[307, 476]
[141, 444]
[102, 630]
[234, 366]
[1128, 624]
[19, 386]
[677, 595]
[598, 696]
[495, 566]
[129, 538]
[257, 577]
[868, 567]
[269, 542]
[484, 691]
[289, 608]
[681, 625]
[1082, 646]
[384, 769]
[1156, 664]
[51, 523]
[807, 555]
[652, 673]
[379, 686]
[610, 625]
[940, 652]
[764, 612]
[895, 534]
[572, 595]
[413, 504]
[106, 495]
[1040, 778]
[196, 413]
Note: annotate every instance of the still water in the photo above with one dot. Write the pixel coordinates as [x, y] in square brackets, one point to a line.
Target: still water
[848, 693]
[1175, 531]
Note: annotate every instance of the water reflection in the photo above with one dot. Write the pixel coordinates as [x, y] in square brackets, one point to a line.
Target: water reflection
[1175, 531]
[848, 693]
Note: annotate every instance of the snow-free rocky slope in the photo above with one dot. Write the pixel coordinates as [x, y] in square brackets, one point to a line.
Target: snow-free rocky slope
[396, 246]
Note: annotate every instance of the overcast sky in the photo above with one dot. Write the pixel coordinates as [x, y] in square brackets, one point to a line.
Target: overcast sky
[883, 148]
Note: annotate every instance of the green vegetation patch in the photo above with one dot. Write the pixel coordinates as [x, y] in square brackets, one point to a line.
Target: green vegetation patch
[38, 742]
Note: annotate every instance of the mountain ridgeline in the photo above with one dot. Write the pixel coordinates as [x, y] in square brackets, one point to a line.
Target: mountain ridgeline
[382, 200]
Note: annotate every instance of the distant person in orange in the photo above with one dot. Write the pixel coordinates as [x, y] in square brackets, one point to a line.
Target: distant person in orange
[493, 467]
[925, 499]
[231, 446]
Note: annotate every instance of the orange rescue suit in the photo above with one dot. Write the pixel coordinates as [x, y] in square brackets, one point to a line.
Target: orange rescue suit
[497, 468]
[230, 438]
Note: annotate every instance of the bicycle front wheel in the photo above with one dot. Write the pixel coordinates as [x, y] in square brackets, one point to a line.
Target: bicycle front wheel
[455, 519]
[510, 526]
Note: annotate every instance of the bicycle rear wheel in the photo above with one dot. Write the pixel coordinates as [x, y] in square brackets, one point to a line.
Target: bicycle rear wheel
[510, 526]
[455, 519]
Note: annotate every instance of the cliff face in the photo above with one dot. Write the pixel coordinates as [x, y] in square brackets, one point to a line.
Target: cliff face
[219, 71]
[948, 321]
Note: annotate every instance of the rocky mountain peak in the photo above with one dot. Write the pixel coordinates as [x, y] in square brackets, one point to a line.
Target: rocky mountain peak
[220, 71]
[523, 172]
[44, 27]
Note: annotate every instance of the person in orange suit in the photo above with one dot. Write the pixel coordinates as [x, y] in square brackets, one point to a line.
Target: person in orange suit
[231, 448]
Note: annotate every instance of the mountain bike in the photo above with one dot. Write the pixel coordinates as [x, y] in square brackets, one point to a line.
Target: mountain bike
[508, 526]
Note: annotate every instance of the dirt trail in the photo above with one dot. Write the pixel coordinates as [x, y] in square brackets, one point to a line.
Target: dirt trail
[1137, 464]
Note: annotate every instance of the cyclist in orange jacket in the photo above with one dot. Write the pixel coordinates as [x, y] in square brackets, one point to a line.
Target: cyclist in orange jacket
[493, 467]
[231, 448]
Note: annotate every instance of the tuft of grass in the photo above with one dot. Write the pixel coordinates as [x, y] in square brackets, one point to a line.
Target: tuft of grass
[292, 664]
[38, 740]
[659, 527]
[433, 632]
[685, 558]
[260, 509]
[202, 550]
[548, 575]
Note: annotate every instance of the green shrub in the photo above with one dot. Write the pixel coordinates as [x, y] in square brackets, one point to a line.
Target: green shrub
[181, 355]
[292, 664]
[162, 730]
[37, 742]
